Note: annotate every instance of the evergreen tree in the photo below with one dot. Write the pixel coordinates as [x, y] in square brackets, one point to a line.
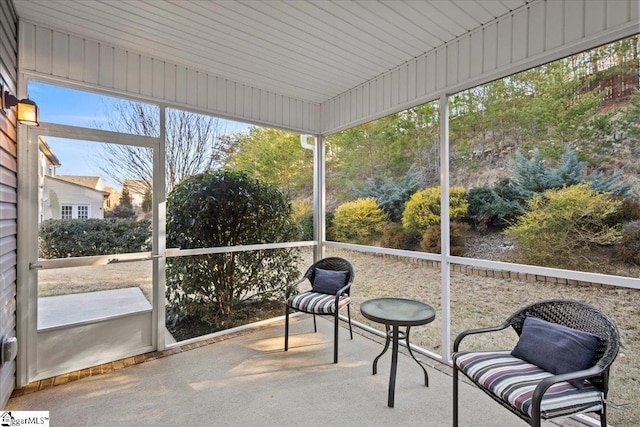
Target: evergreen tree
[392, 194]
[147, 201]
[125, 198]
[533, 176]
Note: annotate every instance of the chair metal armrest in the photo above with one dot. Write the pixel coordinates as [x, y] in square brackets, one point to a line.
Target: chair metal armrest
[544, 385]
[293, 285]
[341, 291]
[463, 334]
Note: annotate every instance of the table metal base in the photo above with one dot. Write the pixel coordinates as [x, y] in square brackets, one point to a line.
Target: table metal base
[394, 334]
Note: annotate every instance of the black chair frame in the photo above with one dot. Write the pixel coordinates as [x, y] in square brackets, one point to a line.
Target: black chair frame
[330, 263]
[573, 314]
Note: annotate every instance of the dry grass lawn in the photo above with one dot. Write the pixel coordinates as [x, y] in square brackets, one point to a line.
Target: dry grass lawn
[475, 302]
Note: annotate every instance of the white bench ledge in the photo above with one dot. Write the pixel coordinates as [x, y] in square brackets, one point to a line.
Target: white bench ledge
[89, 307]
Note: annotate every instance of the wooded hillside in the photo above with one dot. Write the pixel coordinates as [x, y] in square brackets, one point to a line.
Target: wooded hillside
[588, 102]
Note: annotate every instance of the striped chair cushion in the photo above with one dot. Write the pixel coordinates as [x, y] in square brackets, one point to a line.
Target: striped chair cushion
[514, 380]
[317, 303]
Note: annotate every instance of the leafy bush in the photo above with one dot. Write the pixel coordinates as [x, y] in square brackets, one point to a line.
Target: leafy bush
[360, 221]
[328, 223]
[305, 227]
[391, 194]
[121, 211]
[431, 240]
[61, 238]
[629, 211]
[423, 209]
[225, 208]
[507, 189]
[613, 184]
[629, 248]
[534, 176]
[303, 217]
[393, 236]
[299, 209]
[500, 205]
[562, 225]
[496, 206]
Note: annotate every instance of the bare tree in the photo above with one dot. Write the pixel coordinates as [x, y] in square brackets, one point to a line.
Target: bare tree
[194, 143]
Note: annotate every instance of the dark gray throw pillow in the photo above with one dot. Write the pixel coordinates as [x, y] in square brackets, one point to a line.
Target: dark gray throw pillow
[329, 281]
[555, 348]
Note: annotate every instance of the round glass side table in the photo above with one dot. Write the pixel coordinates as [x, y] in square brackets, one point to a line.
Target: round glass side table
[395, 313]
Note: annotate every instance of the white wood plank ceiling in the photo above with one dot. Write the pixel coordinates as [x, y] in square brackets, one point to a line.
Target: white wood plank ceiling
[310, 50]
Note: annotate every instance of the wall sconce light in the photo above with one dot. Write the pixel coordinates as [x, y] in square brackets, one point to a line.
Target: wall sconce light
[28, 113]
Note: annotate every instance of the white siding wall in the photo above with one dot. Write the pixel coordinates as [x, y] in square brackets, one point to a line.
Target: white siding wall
[58, 193]
[541, 32]
[8, 196]
[54, 55]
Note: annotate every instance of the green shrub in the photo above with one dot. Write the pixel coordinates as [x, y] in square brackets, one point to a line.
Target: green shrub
[392, 194]
[614, 184]
[495, 206]
[120, 211]
[423, 209]
[431, 240]
[224, 208]
[305, 227]
[62, 238]
[360, 221]
[328, 223]
[299, 209]
[393, 236]
[629, 211]
[629, 248]
[534, 175]
[562, 225]
[303, 217]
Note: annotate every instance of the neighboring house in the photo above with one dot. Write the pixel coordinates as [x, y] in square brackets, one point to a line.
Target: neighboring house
[47, 161]
[114, 198]
[137, 189]
[67, 196]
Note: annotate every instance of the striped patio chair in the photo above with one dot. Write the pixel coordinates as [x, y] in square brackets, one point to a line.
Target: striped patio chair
[331, 280]
[559, 367]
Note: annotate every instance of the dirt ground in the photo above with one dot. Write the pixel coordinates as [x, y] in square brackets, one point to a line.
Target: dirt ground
[476, 301]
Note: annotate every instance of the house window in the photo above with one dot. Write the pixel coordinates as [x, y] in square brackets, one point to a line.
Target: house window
[83, 211]
[66, 211]
[74, 211]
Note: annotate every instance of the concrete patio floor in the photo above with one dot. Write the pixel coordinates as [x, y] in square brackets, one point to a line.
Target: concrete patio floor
[248, 380]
